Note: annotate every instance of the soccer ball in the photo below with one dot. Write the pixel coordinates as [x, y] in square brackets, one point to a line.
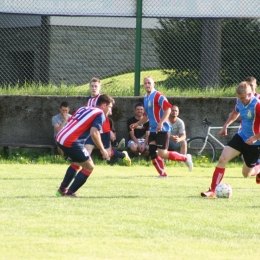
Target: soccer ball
[223, 190]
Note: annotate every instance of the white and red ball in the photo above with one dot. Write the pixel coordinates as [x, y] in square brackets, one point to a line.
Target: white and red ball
[223, 190]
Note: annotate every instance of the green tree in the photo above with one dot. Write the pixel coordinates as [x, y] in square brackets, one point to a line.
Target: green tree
[211, 51]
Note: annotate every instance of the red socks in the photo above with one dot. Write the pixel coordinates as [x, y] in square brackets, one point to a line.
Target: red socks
[174, 156]
[217, 177]
[159, 165]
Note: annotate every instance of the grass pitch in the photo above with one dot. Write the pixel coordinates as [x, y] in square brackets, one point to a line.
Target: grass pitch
[126, 213]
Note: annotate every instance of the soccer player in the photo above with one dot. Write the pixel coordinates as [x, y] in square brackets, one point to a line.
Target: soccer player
[85, 123]
[245, 142]
[138, 138]
[95, 87]
[157, 110]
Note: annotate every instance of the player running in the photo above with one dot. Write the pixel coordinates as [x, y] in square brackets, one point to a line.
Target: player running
[85, 123]
[158, 109]
[245, 142]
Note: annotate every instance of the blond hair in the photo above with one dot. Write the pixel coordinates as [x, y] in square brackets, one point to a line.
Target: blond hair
[243, 87]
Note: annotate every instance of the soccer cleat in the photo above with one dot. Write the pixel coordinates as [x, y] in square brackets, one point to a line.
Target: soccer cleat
[257, 178]
[126, 159]
[208, 194]
[163, 176]
[60, 193]
[189, 162]
[74, 195]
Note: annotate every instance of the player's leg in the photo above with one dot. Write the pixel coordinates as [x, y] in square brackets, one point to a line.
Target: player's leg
[163, 140]
[114, 153]
[156, 160]
[233, 149]
[82, 163]
[250, 166]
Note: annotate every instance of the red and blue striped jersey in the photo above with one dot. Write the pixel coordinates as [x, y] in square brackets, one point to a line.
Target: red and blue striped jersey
[92, 102]
[154, 106]
[250, 118]
[78, 127]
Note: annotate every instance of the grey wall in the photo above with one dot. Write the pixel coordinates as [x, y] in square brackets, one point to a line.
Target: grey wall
[27, 119]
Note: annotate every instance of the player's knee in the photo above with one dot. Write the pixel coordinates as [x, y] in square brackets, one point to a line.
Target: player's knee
[153, 151]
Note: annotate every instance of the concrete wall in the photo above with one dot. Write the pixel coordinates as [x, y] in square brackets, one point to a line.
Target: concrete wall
[27, 119]
[70, 54]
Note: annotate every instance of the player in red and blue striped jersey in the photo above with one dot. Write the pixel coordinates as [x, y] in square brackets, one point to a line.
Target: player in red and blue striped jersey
[157, 109]
[95, 87]
[86, 123]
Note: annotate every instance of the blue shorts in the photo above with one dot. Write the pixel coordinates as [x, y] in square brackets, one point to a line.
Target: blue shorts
[174, 146]
[76, 153]
[105, 138]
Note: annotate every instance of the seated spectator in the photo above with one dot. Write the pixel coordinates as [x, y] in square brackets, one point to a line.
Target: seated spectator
[178, 135]
[138, 138]
[60, 120]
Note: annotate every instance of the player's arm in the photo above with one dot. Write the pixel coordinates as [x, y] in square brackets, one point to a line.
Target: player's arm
[231, 118]
[164, 118]
[95, 135]
[142, 121]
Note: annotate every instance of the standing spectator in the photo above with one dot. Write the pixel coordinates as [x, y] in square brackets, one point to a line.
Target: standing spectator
[86, 122]
[245, 142]
[178, 134]
[95, 87]
[157, 111]
[138, 138]
[60, 120]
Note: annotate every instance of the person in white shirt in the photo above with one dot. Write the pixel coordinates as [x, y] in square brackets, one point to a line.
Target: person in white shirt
[178, 134]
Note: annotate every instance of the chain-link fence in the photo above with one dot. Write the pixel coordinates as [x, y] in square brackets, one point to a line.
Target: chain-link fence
[195, 43]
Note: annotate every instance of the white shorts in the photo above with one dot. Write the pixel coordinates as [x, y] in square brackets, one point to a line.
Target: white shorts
[140, 140]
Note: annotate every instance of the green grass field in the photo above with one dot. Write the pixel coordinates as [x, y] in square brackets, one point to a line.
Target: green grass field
[126, 213]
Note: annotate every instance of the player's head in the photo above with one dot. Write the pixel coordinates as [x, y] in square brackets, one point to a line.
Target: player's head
[64, 107]
[244, 92]
[95, 87]
[149, 84]
[174, 111]
[105, 103]
[139, 110]
[252, 82]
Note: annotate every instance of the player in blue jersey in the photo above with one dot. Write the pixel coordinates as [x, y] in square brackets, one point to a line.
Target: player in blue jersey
[157, 110]
[85, 123]
[245, 142]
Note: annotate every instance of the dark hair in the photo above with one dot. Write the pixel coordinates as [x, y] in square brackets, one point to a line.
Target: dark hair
[64, 104]
[139, 105]
[105, 99]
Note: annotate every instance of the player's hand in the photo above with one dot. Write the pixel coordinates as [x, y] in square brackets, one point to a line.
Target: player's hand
[104, 153]
[159, 128]
[133, 126]
[112, 136]
[223, 131]
[251, 140]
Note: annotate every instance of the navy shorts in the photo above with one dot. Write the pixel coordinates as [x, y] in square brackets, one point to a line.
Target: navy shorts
[250, 152]
[76, 153]
[161, 139]
[105, 138]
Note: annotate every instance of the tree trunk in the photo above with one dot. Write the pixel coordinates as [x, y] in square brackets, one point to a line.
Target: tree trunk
[211, 53]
